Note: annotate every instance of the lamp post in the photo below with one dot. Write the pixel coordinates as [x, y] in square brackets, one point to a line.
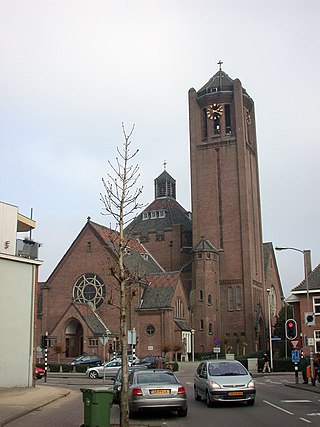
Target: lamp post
[270, 331]
[192, 343]
[306, 255]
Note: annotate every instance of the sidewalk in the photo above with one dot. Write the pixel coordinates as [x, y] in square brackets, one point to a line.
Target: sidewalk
[16, 402]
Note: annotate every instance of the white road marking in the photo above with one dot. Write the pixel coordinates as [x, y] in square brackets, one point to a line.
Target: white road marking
[314, 414]
[303, 419]
[278, 407]
[296, 401]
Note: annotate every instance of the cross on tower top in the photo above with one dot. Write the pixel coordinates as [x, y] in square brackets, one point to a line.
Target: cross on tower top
[164, 165]
[220, 63]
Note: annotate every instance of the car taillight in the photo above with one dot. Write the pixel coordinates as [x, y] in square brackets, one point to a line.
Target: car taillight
[181, 390]
[136, 392]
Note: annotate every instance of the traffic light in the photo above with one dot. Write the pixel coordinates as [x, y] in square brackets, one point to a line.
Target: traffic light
[291, 329]
[44, 341]
[309, 318]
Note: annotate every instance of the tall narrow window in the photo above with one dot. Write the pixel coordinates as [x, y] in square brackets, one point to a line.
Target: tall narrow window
[227, 119]
[230, 299]
[201, 324]
[238, 298]
[216, 125]
[204, 124]
[210, 331]
[201, 295]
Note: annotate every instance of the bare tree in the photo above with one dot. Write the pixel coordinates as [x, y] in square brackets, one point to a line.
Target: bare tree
[121, 201]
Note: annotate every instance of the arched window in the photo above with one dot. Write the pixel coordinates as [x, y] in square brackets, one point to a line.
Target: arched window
[209, 299]
[210, 329]
[230, 299]
[201, 295]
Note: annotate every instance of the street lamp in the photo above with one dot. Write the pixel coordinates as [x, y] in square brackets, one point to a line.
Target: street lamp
[192, 343]
[270, 330]
[306, 257]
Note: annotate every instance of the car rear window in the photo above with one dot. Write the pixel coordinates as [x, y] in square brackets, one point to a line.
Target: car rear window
[156, 377]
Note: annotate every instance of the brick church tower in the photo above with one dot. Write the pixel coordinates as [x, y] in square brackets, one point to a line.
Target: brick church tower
[228, 293]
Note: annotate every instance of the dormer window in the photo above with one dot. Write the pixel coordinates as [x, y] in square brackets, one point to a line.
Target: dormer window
[162, 214]
[153, 215]
[145, 215]
[145, 256]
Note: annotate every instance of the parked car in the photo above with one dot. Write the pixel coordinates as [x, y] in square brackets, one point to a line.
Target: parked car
[133, 359]
[223, 381]
[118, 380]
[108, 369]
[151, 362]
[39, 373]
[86, 359]
[156, 389]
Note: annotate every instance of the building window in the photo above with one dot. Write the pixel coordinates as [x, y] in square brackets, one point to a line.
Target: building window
[153, 215]
[89, 289]
[150, 330]
[227, 116]
[210, 329]
[179, 308]
[93, 342]
[209, 299]
[201, 295]
[317, 340]
[204, 124]
[162, 214]
[145, 215]
[316, 305]
[208, 255]
[216, 125]
[89, 248]
[238, 298]
[230, 299]
[199, 256]
[201, 324]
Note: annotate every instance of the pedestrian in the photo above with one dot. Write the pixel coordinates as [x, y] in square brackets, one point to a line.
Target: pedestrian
[266, 366]
[159, 363]
[304, 363]
[316, 368]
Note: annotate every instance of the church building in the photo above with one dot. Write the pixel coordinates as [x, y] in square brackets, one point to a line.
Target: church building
[208, 279]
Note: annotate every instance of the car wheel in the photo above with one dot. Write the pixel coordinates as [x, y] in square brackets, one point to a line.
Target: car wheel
[93, 375]
[182, 412]
[250, 402]
[208, 400]
[196, 395]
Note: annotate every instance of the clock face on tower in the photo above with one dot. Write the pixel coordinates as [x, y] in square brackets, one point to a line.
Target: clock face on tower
[214, 111]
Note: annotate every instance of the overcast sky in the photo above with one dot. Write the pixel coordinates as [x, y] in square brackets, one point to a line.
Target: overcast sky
[72, 70]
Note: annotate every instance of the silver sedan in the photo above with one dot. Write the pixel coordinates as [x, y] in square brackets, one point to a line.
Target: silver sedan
[156, 388]
[108, 369]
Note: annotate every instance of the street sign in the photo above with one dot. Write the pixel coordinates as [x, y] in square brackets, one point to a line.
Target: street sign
[216, 349]
[216, 341]
[295, 343]
[295, 356]
[103, 339]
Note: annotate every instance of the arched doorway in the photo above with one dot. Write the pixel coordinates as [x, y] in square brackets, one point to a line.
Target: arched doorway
[74, 338]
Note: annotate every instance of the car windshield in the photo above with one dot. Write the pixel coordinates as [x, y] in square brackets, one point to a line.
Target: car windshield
[223, 369]
[156, 377]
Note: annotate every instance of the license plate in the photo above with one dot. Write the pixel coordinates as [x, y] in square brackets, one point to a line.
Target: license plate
[235, 393]
[159, 391]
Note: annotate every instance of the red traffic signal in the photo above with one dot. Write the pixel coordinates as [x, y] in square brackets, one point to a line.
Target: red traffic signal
[291, 329]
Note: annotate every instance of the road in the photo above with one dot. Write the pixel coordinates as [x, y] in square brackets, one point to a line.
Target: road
[276, 405]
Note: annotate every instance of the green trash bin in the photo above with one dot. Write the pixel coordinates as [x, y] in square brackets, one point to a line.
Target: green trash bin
[97, 405]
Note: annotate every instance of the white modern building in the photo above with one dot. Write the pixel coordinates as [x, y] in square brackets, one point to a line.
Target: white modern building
[18, 278]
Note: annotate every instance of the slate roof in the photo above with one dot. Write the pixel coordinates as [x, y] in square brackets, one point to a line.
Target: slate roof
[160, 291]
[183, 325]
[219, 82]
[137, 257]
[204, 245]
[91, 318]
[174, 214]
[313, 282]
